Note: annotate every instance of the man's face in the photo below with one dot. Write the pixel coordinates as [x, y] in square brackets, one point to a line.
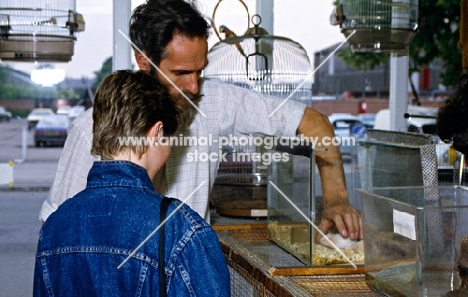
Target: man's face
[182, 64]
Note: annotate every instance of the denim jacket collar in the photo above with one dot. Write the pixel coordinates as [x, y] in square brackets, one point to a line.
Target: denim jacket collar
[103, 174]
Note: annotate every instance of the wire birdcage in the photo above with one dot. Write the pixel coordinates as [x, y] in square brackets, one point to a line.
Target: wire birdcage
[378, 26]
[38, 30]
[267, 64]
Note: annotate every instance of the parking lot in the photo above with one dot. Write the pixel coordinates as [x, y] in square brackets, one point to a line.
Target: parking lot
[33, 173]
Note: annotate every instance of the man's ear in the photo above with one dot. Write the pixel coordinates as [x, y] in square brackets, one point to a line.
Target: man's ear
[142, 62]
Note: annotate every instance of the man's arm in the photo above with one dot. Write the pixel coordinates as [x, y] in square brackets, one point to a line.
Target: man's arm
[337, 209]
[247, 112]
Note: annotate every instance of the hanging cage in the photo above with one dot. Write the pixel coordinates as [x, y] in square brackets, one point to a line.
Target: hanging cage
[38, 30]
[265, 63]
[268, 64]
[385, 26]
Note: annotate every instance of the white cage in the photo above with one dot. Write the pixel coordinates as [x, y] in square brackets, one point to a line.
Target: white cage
[264, 63]
[38, 30]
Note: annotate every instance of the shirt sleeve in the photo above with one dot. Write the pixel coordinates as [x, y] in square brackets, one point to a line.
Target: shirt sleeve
[248, 112]
[74, 165]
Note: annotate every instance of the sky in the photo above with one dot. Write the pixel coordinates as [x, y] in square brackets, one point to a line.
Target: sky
[304, 21]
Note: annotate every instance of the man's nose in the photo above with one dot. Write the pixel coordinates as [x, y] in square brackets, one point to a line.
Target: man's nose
[192, 84]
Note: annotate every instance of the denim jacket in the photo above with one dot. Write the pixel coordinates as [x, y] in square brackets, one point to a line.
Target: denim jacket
[88, 237]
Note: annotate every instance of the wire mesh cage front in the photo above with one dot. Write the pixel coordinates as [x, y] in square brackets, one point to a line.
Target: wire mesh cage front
[380, 25]
[396, 14]
[38, 30]
[388, 159]
[395, 159]
[268, 64]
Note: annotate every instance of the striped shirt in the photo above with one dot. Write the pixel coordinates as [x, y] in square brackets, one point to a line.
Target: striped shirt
[225, 110]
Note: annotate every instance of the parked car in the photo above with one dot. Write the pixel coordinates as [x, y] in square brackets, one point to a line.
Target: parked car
[65, 109]
[347, 127]
[36, 114]
[444, 151]
[368, 119]
[75, 111]
[4, 115]
[422, 125]
[51, 130]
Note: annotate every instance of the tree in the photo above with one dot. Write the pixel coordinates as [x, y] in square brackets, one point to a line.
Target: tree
[437, 37]
[362, 61]
[105, 70]
[68, 93]
[3, 73]
[12, 87]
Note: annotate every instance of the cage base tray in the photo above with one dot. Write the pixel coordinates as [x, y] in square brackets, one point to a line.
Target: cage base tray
[243, 208]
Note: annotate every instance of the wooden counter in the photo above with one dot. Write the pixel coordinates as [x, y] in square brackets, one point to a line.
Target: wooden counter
[261, 268]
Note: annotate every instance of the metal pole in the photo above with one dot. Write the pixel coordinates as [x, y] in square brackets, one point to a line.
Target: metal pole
[24, 147]
[265, 10]
[24, 142]
[399, 67]
[398, 101]
[122, 49]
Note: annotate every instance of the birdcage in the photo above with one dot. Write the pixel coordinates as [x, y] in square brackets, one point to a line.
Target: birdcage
[38, 30]
[268, 64]
[377, 26]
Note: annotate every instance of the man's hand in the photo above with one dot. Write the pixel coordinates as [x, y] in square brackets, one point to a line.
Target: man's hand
[344, 217]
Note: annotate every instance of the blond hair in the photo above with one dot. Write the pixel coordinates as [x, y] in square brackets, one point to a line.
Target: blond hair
[126, 105]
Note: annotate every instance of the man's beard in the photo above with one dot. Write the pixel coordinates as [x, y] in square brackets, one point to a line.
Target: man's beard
[186, 110]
